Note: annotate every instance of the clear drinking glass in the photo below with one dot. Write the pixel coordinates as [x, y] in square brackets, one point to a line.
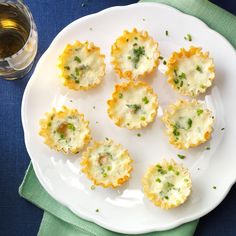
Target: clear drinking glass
[18, 39]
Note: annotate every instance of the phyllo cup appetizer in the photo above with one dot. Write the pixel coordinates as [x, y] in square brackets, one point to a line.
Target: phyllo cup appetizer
[167, 184]
[134, 54]
[190, 72]
[81, 66]
[107, 164]
[65, 130]
[133, 105]
[188, 123]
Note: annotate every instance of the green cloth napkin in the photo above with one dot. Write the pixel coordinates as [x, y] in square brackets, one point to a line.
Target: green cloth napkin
[59, 220]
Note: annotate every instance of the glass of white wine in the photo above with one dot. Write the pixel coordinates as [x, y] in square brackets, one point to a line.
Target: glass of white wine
[18, 39]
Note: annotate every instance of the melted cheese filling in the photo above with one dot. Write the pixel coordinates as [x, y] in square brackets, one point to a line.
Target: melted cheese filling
[108, 163]
[192, 74]
[138, 56]
[169, 185]
[135, 105]
[84, 67]
[190, 123]
[68, 132]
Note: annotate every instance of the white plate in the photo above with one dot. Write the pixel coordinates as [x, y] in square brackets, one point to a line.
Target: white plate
[126, 209]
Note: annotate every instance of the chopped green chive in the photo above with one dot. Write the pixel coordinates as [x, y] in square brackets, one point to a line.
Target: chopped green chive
[170, 185]
[109, 168]
[176, 81]
[139, 135]
[182, 75]
[167, 32]
[49, 124]
[161, 58]
[189, 123]
[181, 156]
[188, 37]
[136, 38]
[127, 40]
[175, 131]
[104, 175]
[92, 187]
[166, 197]
[71, 126]
[77, 71]
[208, 148]
[181, 83]
[129, 57]
[76, 58]
[177, 173]
[142, 118]
[145, 100]
[199, 112]
[158, 180]
[134, 107]
[62, 136]
[120, 95]
[175, 71]
[198, 68]
[97, 210]
[138, 53]
[214, 187]
[106, 138]
[67, 67]
[222, 128]
[135, 44]
[164, 62]
[170, 168]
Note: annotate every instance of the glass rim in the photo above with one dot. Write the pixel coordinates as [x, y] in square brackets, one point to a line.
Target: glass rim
[32, 26]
